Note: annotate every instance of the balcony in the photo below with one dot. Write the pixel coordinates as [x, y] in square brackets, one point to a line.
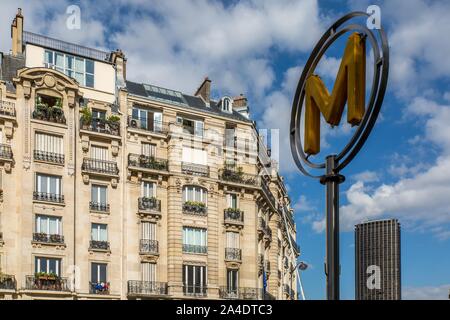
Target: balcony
[46, 282]
[96, 245]
[98, 125]
[268, 195]
[144, 162]
[41, 237]
[233, 216]
[49, 109]
[195, 208]
[49, 157]
[264, 229]
[240, 293]
[195, 291]
[7, 108]
[148, 126]
[143, 288]
[238, 177]
[191, 248]
[98, 207]
[195, 169]
[6, 152]
[147, 246]
[233, 254]
[99, 288]
[48, 197]
[100, 166]
[149, 204]
[7, 282]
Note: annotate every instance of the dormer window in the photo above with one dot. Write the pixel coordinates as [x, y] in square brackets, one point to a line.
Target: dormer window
[227, 105]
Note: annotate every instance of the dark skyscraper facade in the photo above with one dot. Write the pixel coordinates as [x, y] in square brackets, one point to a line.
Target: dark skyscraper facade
[377, 259]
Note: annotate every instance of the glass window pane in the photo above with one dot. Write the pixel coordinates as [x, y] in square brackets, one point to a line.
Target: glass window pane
[80, 78]
[89, 66]
[102, 273]
[89, 80]
[79, 65]
[69, 62]
[59, 60]
[48, 56]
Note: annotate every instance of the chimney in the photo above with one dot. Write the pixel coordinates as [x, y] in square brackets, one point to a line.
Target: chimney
[17, 33]
[204, 91]
[120, 62]
[240, 105]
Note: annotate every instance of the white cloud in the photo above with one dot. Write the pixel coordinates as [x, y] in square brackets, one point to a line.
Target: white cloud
[426, 293]
[366, 176]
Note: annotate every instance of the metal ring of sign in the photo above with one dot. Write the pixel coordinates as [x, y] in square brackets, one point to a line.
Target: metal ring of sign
[379, 84]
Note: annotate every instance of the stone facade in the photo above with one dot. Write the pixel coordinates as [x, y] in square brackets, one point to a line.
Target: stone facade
[108, 152]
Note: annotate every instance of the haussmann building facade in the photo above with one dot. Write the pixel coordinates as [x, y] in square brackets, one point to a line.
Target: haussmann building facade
[112, 189]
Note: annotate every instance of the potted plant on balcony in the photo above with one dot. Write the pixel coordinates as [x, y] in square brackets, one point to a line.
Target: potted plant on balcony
[233, 175]
[194, 207]
[56, 238]
[41, 109]
[6, 281]
[40, 237]
[86, 117]
[114, 123]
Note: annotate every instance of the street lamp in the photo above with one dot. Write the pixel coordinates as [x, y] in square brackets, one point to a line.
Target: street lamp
[301, 266]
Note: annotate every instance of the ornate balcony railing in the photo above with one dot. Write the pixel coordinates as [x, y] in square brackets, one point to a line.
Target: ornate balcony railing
[6, 152]
[231, 215]
[237, 176]
[46, 282]
[150, 126]
[98, 206]
[233, 254]
[195, 169]
[149, 204]
[99, 245]
[148, 246]
[195, 291]
[147, 288]
[48, 238]
[191, 248]
[7, 108]
[49, 197]
[195, 208]
[145, 162]
[101, 126]
[49, 156]
[240, 293]
[268, 194]
[7, 282]
[99, 287]
[100, 166]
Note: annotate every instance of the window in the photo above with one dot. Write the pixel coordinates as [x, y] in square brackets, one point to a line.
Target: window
[226, 105]
[194, 193]
[80, 69]
[46, 184]
[48, 225]
[99, 153]
[47, 265]
[148, 189]
[148, 149]
[98, 194]
[194, 127]
[99, 232]
[232, 281]
[148, 230]
[98, 272]
[49, 143]
[148, 271]
[194, 279]
[232, 240]
[147, 119]
[192, 155]
[194, 237]
[232, 200]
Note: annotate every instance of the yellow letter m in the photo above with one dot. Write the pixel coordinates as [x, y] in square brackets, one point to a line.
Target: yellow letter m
[350, 86]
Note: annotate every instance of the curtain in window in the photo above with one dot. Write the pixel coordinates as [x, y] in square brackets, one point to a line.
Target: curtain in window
[148, 230]
[194, 236]
[148, 149]
[99, 232]
[48, 225]
[99, 153]
[98, 194]
[148, 189]
[148, 271]
[232, 240]
[48, 184]
[193, 193]
[232, 201]
[49, 143]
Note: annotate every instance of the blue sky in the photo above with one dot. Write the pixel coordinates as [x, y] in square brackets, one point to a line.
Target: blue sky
[258, 48]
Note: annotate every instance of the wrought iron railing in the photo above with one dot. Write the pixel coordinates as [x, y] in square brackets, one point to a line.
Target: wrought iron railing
[233, 215]
[101, 126]
[146, 162]
[195, 169]
[99, 287]
[233, 254]
[49, 156]
[99, 245]
[267, 193]
[150, 126]
[147, 246]
[51, 114]
[7, 108]
[195, 208]
[237, 176]
[100, 166]
[46, 282]
[49, 197]
[98, 206]
[146, 204]
[244, 293]
[48, 238]
[147, 287]
[191, 248]
[195, 291]
[7, 282]
[6, 152]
